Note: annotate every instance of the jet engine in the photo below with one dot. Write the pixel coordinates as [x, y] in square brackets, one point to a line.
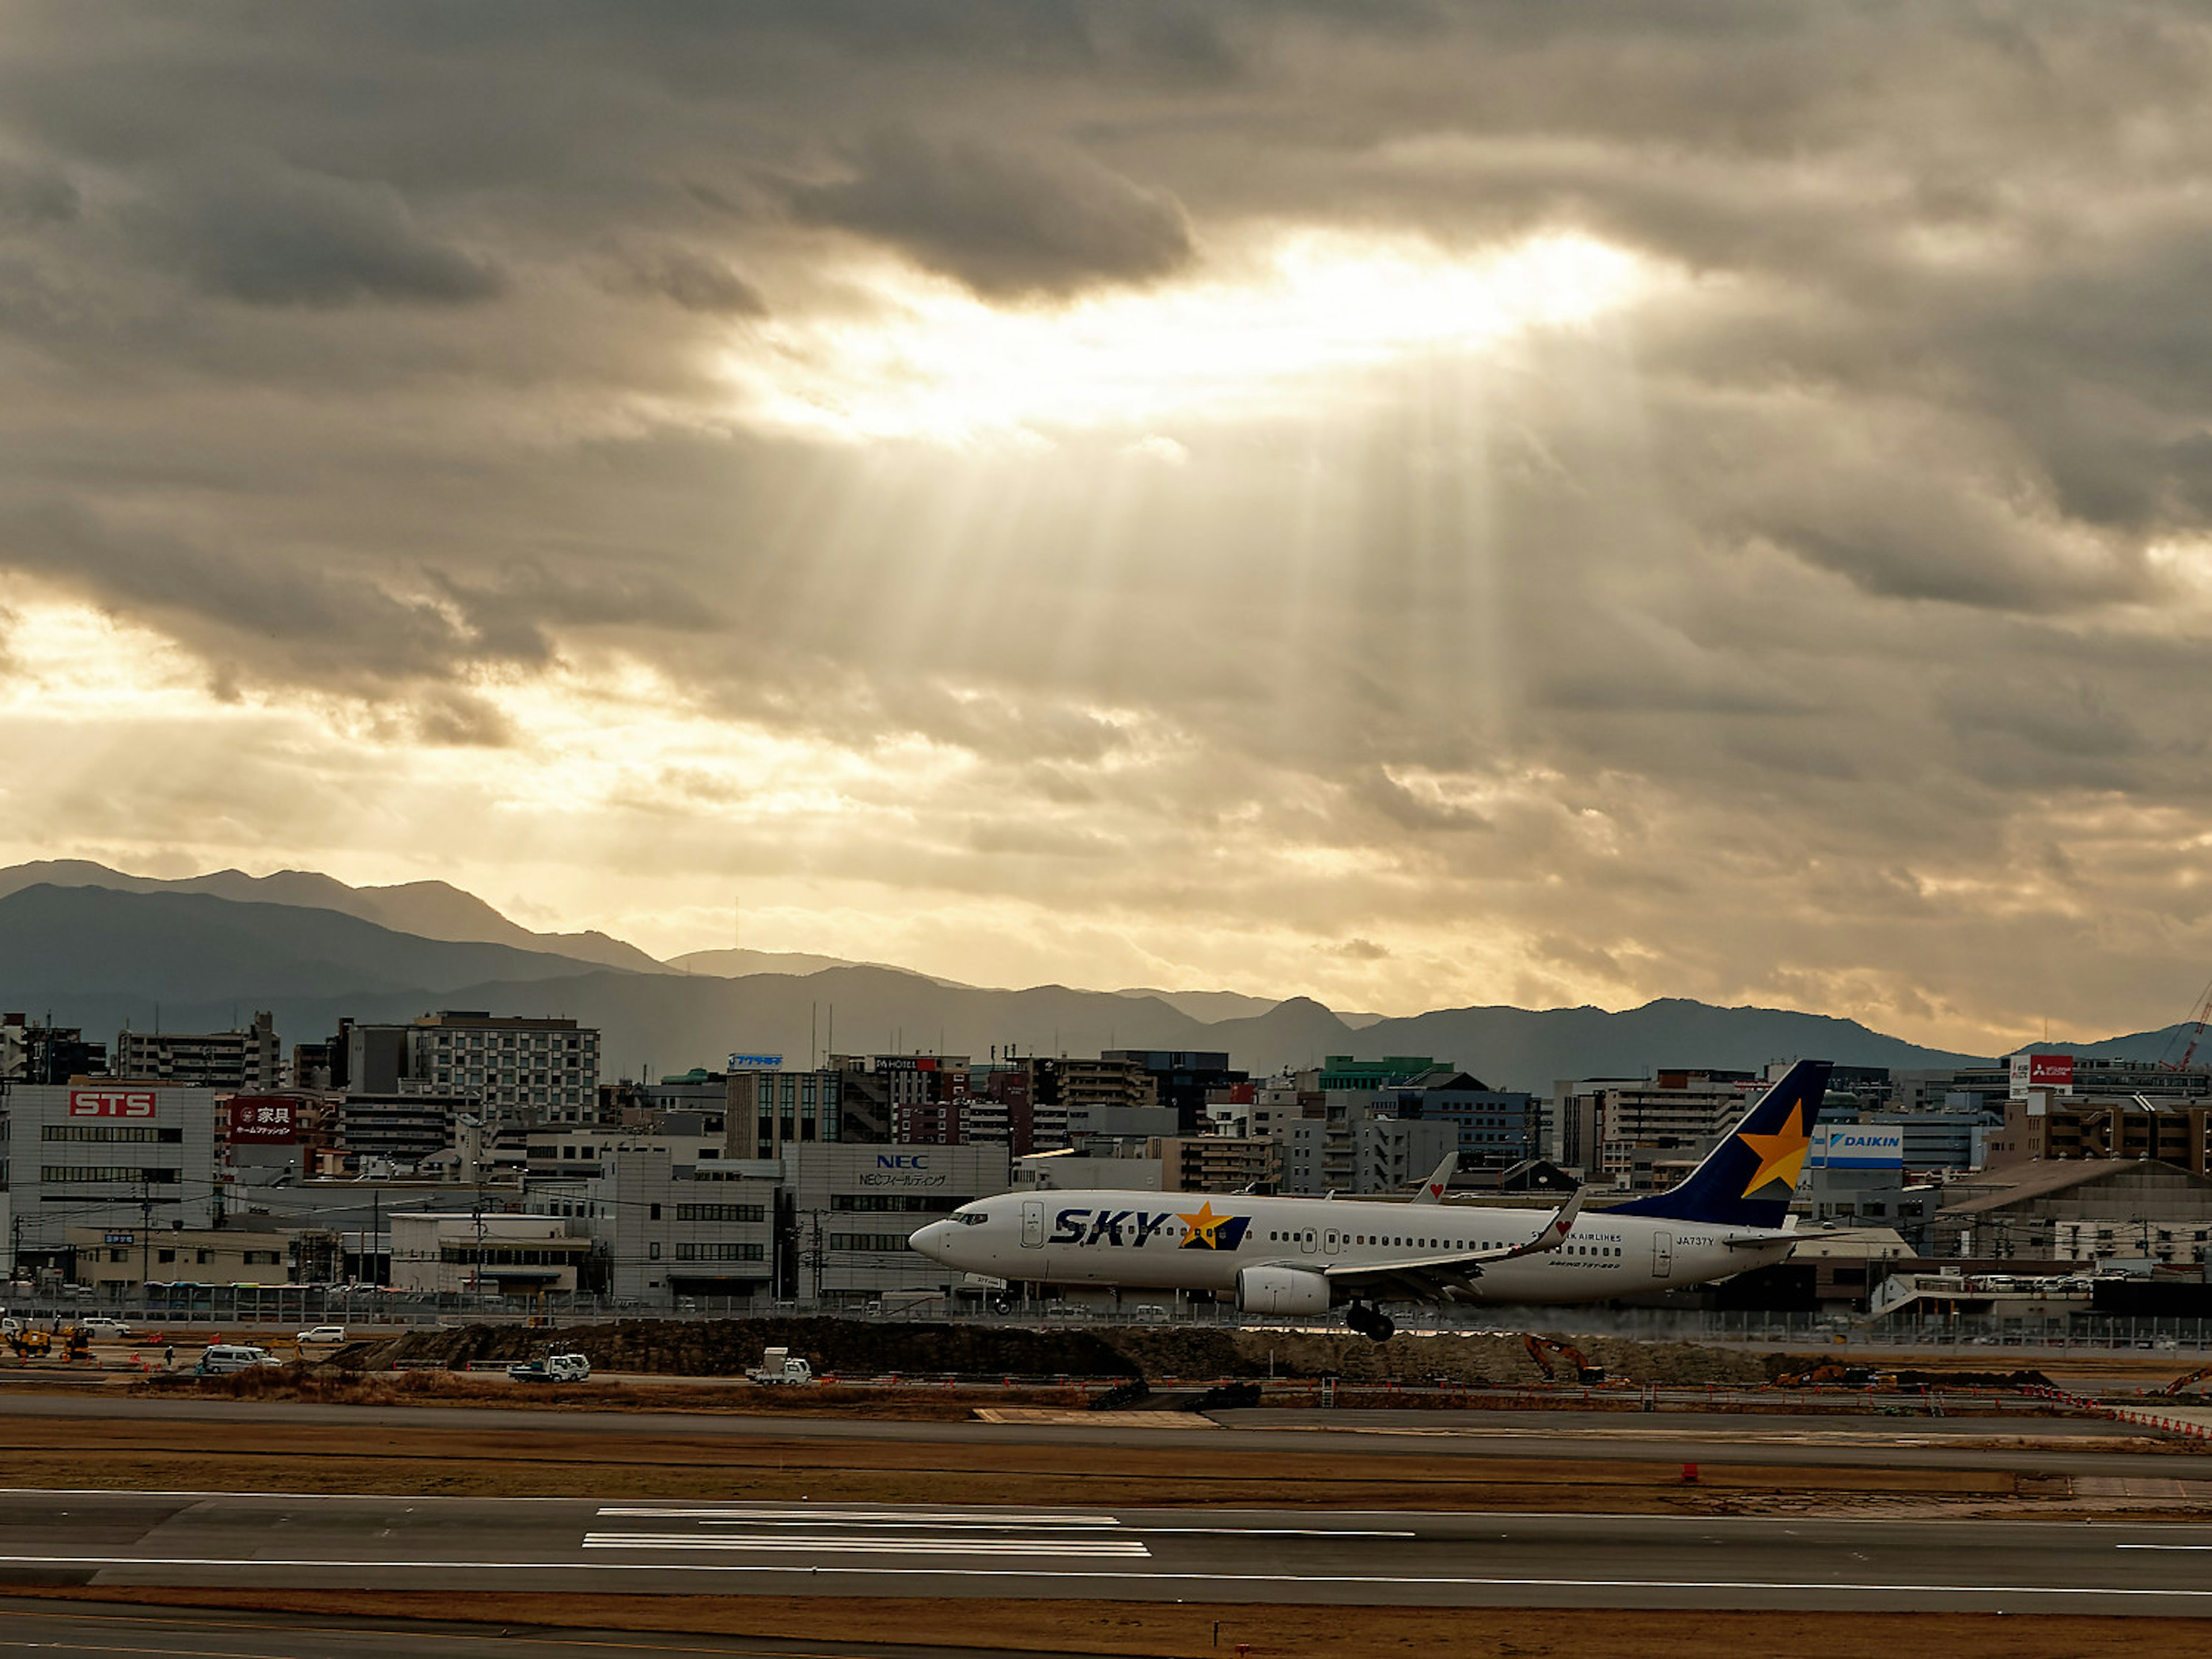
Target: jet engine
[1281, 1290]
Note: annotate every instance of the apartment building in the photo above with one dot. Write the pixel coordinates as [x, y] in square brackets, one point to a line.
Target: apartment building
[249, 1058]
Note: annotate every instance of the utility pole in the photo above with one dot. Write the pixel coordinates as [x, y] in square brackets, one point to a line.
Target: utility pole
[145, 1234]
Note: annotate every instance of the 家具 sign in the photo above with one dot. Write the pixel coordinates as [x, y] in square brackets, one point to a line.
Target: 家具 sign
[111, 1102]
[264, 1122]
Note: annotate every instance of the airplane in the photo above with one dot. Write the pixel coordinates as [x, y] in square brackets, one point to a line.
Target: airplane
[1310, 1255]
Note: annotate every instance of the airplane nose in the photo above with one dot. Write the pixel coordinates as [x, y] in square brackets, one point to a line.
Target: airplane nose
[930, 1240]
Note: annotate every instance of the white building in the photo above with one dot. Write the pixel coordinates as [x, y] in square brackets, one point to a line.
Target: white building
[856, 1206]
[490, 1253]
[112, 1156]
[686, 1229]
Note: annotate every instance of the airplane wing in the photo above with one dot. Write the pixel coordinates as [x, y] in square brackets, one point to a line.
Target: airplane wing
[1431, 1191]
[1431, 1277]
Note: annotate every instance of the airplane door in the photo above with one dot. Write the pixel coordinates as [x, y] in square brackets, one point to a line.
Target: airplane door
[1306, 1241]
[1662, 1255]
[1032, 1223]
[1332, 1241]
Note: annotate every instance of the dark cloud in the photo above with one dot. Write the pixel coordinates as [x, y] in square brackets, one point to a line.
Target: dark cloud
[695, 280]
[31, 197]
[271, 236]
[1006, 222]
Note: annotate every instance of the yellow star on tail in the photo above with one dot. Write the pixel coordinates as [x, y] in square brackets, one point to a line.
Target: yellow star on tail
[1781, 1156]
[1203, 1225]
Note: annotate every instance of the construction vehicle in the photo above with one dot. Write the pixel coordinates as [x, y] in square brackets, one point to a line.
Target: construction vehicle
[777, 1366]
[69, 1343]
[2182, 1385]
[1541, 1349]
[1834, 1373]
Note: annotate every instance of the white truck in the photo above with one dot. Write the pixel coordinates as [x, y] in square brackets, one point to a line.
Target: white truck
[778, 1366]
[552, 1367]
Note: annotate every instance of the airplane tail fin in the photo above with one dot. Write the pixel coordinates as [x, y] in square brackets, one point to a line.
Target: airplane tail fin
[1431, 1191]
[1746, 1181]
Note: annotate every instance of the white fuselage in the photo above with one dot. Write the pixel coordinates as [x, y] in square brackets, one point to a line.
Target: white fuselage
[1160, 1240]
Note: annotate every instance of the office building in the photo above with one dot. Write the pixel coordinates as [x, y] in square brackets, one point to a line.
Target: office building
[112, 1156]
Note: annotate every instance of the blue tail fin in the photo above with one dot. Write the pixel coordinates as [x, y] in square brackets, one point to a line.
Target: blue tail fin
[1746, 1180]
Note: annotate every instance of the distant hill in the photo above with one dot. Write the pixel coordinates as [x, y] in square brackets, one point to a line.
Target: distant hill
[97, 955]
[429, 910]
[63, 946]
[1523, 1048]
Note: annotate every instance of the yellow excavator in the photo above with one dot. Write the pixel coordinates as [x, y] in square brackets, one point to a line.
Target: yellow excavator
[2183, 1385]
[1541, 1349]
[70, 1343]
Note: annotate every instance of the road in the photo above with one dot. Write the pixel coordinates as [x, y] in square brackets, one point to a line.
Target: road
[1380, 1557]
[1626, 1436]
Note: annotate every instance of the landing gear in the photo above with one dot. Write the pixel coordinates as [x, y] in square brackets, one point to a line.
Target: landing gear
[1370, 1322]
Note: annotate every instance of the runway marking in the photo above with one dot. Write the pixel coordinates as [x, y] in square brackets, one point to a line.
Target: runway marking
[791, 1513]
[847, 1545]
[732, 1569]
[2162, 1546]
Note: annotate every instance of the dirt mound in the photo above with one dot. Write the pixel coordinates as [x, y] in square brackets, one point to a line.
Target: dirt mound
[727, 1347]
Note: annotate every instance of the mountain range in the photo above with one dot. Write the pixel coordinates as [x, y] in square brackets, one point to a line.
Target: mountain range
[97, 948]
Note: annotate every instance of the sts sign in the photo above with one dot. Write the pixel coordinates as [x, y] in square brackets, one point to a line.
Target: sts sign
[111, 1102]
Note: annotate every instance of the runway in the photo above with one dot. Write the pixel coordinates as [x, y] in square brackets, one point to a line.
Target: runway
[548, 1545]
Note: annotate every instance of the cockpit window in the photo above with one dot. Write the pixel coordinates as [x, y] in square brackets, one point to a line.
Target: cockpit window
[969, 1218]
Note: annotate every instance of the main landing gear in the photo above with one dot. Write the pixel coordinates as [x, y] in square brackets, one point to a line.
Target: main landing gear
[1370, 1322]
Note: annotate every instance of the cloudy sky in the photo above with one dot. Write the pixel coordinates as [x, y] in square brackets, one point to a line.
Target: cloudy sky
[1415, 504]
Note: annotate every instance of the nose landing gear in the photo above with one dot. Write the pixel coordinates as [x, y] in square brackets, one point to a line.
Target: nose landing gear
[1370, 1322]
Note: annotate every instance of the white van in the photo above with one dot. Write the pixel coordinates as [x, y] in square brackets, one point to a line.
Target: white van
[221, 1359]
[100, 1328]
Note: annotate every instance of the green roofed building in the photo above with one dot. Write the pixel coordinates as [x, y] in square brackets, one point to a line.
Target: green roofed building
[1343, 1072]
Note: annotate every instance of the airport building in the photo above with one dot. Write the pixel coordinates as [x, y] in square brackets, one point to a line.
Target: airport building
[674, 1228]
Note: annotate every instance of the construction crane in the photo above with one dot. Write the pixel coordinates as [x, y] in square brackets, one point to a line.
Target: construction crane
[1541, 1348]
[2203, 1006]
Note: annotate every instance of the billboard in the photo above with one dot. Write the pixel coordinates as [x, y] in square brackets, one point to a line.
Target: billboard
[1858, 1146]
[2034, 1071]
[112, 1102]
[262, 1122]
[756, 1062]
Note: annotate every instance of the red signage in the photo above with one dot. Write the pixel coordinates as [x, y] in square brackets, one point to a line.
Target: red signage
[2051, 1071]
[111, 1102]
[262, 1121]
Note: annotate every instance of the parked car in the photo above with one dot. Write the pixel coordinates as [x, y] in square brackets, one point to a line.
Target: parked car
[100, 1328]
[323, 1333]
[221, 1359]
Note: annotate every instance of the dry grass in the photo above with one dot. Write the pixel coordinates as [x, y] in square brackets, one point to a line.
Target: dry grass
[552, 1459]
[1128, 1628]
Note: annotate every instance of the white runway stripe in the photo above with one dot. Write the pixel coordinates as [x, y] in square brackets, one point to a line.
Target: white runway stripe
[811, 1516]
[846, 1544]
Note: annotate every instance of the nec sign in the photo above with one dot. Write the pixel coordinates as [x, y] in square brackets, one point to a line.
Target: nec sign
[901, 1160]
[111, 1102]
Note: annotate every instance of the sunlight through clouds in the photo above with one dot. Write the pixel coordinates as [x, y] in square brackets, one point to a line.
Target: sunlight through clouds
[933, 362]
